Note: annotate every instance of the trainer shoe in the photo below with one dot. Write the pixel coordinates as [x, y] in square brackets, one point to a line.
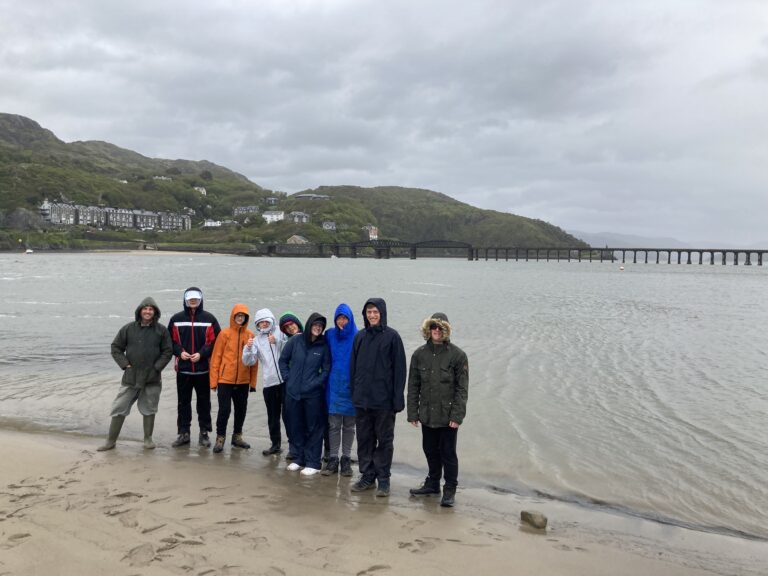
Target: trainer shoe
[292, 467]
[204, 440]
[383, 490]
[363, 484]
[309, 471]
[219, 446]
[425, 489]
[182, 440]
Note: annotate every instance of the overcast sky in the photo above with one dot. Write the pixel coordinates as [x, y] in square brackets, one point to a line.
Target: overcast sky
[645, 118]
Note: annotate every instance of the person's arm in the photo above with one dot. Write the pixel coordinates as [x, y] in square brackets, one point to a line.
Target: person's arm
[250, 352]
[285, 359]
[166, 351]
[211, 333]
[214, 365]
[353, 362]
[119, 344]
[253, 369]
[400, 373]
[460, 392]
[173, 331]
[414, 390]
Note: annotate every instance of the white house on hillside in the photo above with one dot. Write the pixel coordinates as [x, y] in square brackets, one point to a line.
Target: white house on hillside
[271, 216]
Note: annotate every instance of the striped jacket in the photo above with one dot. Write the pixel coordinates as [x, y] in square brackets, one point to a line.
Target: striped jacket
[193, 331]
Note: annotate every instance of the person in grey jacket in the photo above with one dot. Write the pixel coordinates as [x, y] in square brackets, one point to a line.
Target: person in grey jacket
[438, 382]
[142, 349]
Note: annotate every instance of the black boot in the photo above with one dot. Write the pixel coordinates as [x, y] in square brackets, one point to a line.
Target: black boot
[332, 467]
[182, 440]
[449, 496]
[274, 449]
[346, 466]
[429, 487]
[149, 427]
[114, 431]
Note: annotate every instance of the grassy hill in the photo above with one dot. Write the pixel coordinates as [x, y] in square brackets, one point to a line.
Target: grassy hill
[35, 165]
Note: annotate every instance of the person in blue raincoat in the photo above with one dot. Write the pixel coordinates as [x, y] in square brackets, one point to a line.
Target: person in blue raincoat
[341, 411]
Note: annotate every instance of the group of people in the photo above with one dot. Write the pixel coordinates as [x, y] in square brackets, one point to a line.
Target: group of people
[327, 385]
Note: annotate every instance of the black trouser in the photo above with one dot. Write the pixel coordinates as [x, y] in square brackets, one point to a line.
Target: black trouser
[439, 446]
[375, 442]
[231, 394]
[274, 400]
[185, 384]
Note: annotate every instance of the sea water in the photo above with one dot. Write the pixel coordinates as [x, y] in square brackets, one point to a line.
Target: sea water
[641, 390]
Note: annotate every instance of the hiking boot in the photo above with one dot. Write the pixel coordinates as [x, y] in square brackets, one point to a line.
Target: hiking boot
[182, 440]
[219, 446]
[449, 497]
[237, 440]
[274, 449]
[332, 467]
[363, 484]
[383, 490]
[346, 466]
[204, 440]
[426, 489]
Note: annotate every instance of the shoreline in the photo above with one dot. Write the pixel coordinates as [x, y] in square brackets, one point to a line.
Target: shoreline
[66, 507]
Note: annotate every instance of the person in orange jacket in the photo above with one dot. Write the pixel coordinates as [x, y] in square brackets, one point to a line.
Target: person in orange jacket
[232, 379]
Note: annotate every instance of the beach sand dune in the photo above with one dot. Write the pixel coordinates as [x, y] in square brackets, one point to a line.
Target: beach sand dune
[67, 509]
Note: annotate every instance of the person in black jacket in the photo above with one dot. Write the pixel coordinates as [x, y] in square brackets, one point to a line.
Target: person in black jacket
[305, 363]
[377, 375]
[193, 332]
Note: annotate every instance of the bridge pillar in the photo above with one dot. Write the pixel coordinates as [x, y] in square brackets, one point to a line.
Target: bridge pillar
[353, 252]
[711, 258]
[646, 256]
[735, 257]
[506, 254]
[623, 256]
[517, 254]
[413, 252]
[701, 257]
[725, 257]
[657, 256]
[748, 260]
[634, 256]
[759, 258]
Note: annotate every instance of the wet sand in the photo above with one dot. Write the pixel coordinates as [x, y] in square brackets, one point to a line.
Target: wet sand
[67, 509]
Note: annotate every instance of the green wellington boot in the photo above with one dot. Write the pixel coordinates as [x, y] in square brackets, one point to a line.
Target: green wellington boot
[149, 427]
[114, 431]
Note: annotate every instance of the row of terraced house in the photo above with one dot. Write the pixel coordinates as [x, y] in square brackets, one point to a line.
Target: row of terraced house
[71, 214]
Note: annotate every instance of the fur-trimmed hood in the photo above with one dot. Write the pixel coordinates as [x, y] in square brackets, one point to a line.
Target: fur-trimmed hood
[442, 321]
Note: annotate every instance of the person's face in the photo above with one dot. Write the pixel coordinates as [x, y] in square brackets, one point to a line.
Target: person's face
[341, 321]
[317, 329]
[147, 313]
[291, 328]
[263, 325]
[373, 315]
[193, 303]
[435, 332]
[239, 318]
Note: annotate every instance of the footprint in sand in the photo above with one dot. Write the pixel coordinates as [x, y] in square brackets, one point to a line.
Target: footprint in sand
[374, 568]
[15, 539]
[140, 556]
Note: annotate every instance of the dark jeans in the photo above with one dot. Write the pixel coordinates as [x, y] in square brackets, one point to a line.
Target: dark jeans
[375, 442]
[185, 384]
[231, 394]
[439, 446]
[273, 400]
[307, 420]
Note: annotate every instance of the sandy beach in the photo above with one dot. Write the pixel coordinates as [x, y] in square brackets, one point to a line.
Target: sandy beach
[67, 509]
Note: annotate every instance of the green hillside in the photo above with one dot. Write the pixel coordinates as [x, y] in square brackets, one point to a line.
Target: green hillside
[35, 165]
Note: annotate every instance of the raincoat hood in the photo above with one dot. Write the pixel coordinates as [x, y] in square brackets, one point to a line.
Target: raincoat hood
[236, 309]
[262, 315]
[290, 317]
[441, 320]
[184, 299]
[314, 317]
[381, 306]
[148, 301]
[350, 329]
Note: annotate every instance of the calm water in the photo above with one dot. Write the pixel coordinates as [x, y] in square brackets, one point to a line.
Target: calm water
[642, 390]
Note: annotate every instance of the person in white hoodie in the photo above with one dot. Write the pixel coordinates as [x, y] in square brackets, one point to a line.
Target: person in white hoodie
[265, 348]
